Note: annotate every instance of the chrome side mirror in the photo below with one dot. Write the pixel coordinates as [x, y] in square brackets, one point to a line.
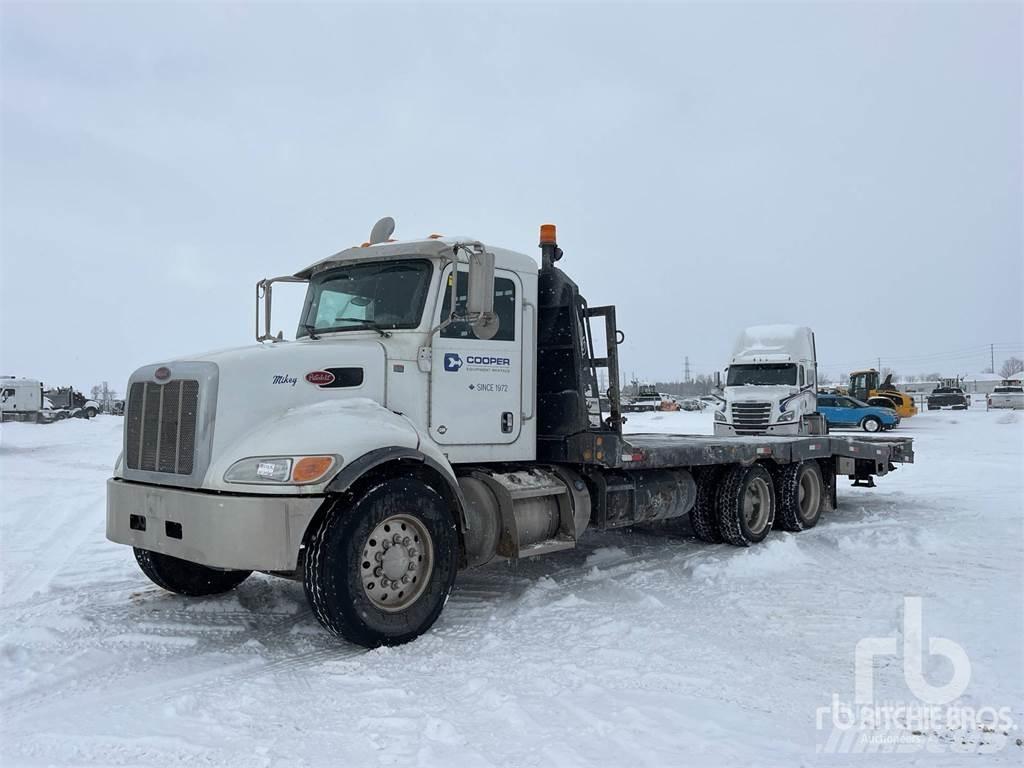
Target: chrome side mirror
[480, 295]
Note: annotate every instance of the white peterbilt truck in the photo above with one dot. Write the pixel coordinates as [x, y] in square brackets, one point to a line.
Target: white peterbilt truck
[431, 415]
[771, 384]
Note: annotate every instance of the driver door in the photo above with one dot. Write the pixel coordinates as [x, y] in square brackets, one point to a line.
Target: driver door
[476, 384]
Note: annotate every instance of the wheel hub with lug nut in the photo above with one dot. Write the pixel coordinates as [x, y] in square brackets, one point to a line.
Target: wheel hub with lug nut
[397, 562]
[756, 504]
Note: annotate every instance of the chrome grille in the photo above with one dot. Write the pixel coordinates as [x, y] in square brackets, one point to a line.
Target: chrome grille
[751, 418]
[161, 426]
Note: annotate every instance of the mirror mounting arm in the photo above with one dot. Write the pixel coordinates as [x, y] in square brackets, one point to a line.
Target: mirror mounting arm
[264, 292]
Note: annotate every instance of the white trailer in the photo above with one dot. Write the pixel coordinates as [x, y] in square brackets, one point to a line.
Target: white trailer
[432, 415]
[771, 384]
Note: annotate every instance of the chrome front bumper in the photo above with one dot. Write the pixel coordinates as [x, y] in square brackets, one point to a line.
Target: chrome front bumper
[728, 430]
[258, 533]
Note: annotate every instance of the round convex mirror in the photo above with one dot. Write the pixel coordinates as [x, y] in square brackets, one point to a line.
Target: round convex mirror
[486, 328]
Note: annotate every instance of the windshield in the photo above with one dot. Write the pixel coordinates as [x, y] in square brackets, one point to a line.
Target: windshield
[764, 375]
[1008, 390]
[387, 294]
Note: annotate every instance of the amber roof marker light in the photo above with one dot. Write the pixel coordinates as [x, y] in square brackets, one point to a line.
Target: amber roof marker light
[550, 252]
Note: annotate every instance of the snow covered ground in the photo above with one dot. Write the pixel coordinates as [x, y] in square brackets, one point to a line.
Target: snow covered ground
[642, 647]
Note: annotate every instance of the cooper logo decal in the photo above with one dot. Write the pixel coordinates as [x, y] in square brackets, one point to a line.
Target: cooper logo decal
[320, 378]
[454, 362]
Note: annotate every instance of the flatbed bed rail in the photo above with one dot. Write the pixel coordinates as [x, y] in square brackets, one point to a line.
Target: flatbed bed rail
[665, 451]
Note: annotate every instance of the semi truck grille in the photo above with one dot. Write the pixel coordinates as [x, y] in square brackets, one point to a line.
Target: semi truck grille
[161, 426]
[751, 418]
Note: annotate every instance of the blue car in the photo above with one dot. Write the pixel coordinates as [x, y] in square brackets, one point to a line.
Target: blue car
[842, 411]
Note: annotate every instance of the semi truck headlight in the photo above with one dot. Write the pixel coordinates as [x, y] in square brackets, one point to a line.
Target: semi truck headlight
[787, 416]
[295, 470]
[720, 416]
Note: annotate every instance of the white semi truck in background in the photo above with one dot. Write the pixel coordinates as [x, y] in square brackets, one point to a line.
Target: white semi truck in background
[24, 399]
[432, 415]
[771, 384]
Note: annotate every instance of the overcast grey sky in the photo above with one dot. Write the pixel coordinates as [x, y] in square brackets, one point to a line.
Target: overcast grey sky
[856, 168]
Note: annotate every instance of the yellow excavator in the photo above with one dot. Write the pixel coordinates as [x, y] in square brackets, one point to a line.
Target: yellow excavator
[864, 386]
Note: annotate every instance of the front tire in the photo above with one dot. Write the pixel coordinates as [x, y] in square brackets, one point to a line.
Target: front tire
[90, 413]
[746, 505]
[379, 569]
[185, 578]
[871, 424]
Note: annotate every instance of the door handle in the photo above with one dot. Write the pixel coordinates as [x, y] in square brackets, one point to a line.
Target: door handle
[506, 422]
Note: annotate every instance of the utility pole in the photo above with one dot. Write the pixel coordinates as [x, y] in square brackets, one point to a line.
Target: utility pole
[686, 370]
[879, 368]
[992, 357]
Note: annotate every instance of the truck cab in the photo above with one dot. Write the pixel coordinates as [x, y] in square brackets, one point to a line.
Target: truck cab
[771, 383]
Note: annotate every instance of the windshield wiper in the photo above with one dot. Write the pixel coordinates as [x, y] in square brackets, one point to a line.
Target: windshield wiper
[364, 324]
[310, 331]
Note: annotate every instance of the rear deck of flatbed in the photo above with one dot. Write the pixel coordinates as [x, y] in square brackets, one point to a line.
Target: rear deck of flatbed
[655, 451]
[665, 451]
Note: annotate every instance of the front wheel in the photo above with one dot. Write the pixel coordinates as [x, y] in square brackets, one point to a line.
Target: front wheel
[90, 413]
[871, 424]
[185, 578]
[379, 569]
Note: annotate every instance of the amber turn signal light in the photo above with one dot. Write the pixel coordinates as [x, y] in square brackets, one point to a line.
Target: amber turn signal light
[311, 468]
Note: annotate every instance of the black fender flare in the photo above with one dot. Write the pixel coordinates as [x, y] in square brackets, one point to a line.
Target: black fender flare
[351, 473]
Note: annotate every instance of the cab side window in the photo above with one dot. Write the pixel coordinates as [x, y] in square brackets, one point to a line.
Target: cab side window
[504, 308]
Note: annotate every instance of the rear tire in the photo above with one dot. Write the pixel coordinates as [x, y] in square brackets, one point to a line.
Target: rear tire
[341, 576]
[800, 495]
[746, 505]
[871, 424]
[185, 578]
[704, 515]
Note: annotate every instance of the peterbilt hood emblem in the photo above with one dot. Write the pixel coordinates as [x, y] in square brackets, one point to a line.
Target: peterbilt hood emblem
[320, 378]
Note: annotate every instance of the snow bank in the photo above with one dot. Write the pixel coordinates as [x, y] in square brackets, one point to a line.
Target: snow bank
[642, 647]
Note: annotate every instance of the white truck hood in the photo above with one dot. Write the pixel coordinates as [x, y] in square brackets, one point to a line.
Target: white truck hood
[260, 382]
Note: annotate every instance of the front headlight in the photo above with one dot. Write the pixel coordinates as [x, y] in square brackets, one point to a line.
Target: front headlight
[275, 470]
[720, 416]
[787, 416]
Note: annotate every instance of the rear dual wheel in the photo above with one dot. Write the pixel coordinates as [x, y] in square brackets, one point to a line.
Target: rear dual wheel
[740, 504]
[704, 513]
[746, 505]
[800, 493]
